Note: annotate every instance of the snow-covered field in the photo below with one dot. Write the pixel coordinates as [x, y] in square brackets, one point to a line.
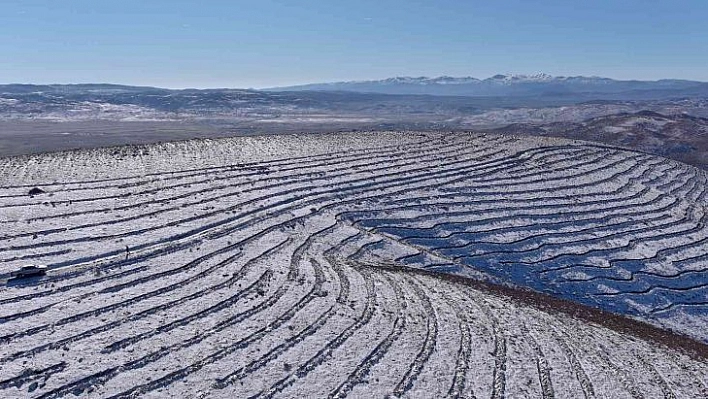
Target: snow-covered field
[310, 266]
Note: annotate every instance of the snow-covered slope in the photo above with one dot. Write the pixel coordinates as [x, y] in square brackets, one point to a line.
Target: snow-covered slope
[676, 135]
[329, 266]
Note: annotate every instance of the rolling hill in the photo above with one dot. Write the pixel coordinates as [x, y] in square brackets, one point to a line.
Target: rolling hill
[399, 264]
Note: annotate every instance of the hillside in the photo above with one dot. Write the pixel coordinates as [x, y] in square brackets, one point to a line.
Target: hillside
[384, 263]
[678, 136]
[39, 118]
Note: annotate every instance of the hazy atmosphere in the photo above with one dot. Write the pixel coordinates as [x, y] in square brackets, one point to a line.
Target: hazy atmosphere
[265, 43]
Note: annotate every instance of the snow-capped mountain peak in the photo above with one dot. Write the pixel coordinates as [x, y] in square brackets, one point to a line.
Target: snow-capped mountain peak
[505, 85]
[447, 80]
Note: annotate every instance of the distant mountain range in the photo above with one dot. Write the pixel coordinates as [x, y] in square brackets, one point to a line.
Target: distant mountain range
[443, 101]
[108, 101]
[119, 102]
[519, 85]
[670, 120]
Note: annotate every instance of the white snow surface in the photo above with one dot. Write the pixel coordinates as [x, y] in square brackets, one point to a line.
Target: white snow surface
[299, 266]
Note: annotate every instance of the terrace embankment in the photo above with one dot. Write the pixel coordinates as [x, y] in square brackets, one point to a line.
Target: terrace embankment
[392, 263]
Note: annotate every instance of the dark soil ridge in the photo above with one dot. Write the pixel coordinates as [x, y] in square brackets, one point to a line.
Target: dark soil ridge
[549, 304]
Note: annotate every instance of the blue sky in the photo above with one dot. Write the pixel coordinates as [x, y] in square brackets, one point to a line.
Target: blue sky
[269, 43]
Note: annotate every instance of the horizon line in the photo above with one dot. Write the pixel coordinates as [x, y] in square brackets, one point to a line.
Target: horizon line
[270, 87]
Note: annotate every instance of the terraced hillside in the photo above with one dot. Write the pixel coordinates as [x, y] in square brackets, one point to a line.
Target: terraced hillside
[329, 266]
